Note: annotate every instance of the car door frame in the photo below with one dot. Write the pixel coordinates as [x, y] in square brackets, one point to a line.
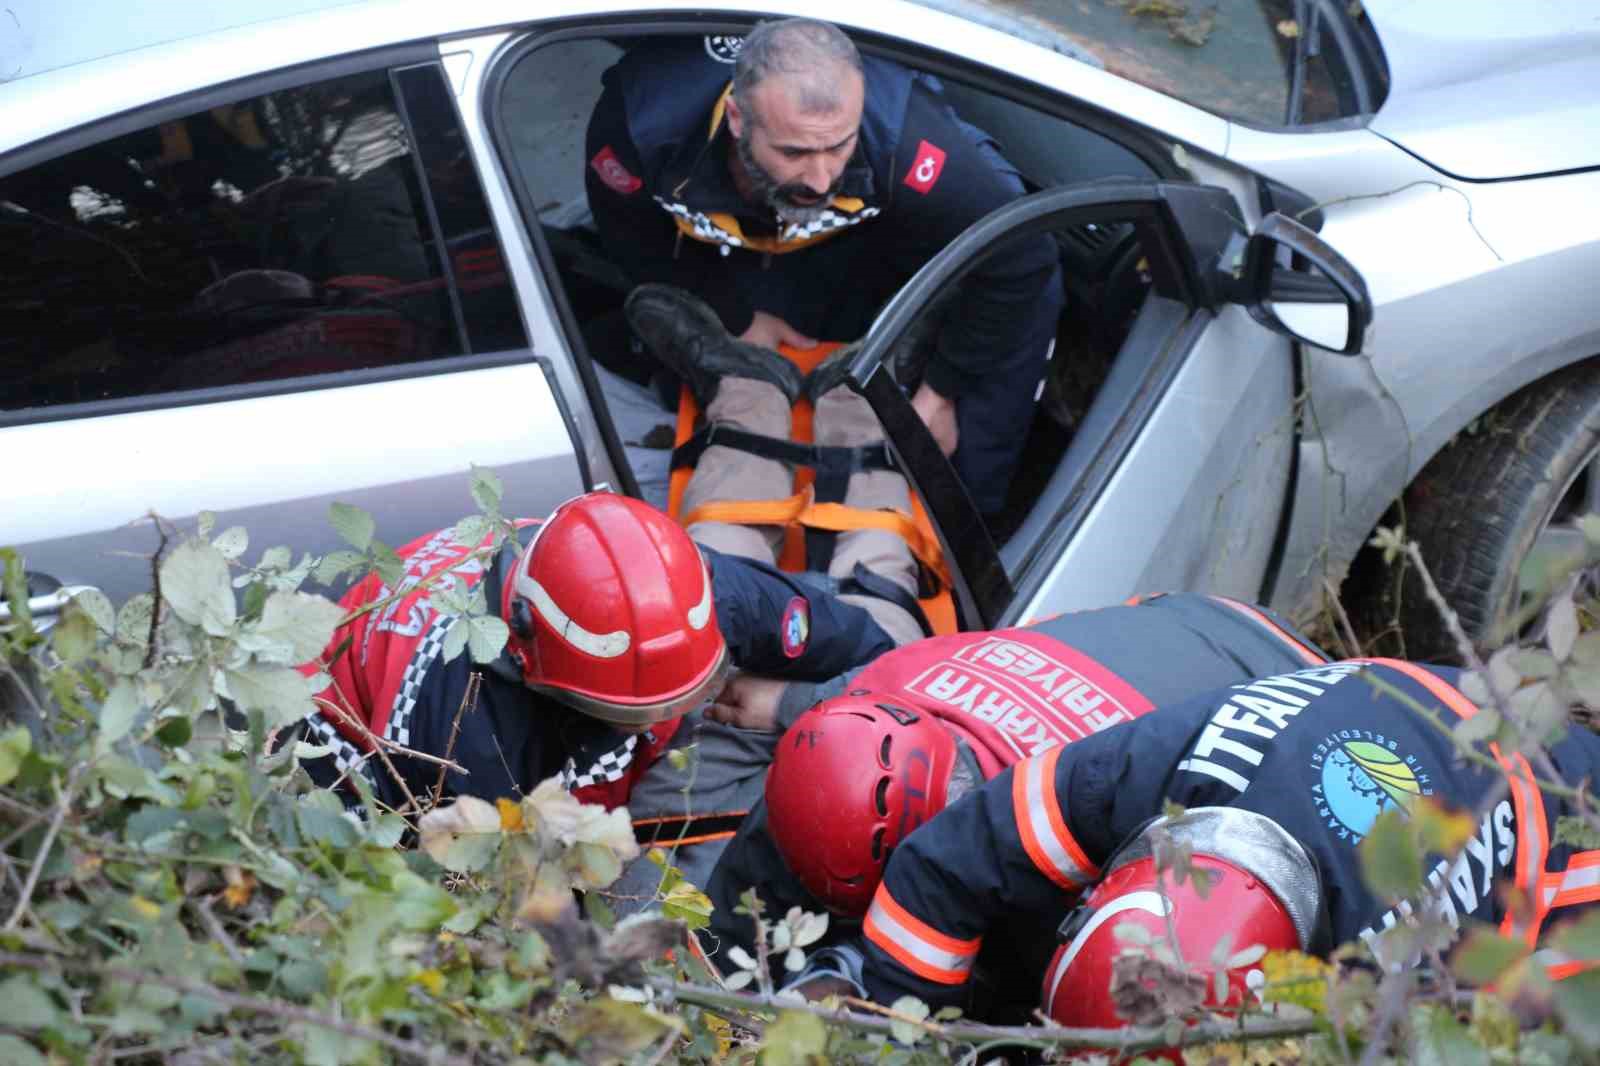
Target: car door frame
[1185, 231]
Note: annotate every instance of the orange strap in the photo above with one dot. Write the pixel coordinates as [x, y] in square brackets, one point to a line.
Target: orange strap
[803, 509]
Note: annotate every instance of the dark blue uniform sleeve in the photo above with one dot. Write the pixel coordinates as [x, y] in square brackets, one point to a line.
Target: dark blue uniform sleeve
[946, 176]
[1027, 842]
[789, 625]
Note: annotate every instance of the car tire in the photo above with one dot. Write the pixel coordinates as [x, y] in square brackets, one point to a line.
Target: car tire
[1478, 507]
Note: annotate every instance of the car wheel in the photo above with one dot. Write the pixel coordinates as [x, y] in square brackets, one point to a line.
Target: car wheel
[1498, 505]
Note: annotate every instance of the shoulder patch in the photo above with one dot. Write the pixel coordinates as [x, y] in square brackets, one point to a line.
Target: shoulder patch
[926, 166]
[794, 629]
[724, 49]
[611, 171]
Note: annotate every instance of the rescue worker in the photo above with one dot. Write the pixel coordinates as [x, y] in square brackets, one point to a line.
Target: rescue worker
[619, 626]
[888, 746]
[795, 187]
[1281, 778]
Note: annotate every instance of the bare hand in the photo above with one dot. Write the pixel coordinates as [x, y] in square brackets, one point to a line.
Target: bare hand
[749, 702]
[938, 413]
[769, 331]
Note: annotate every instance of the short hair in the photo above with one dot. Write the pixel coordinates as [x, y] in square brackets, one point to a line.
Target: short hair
[809, 48]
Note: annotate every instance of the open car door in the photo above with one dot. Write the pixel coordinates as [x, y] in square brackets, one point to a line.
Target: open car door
[1180, 473]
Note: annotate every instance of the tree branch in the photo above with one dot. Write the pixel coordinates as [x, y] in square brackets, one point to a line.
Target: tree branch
[232, 1000]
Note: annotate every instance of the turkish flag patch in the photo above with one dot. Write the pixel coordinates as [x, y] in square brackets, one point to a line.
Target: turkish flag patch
[926, 167]
[606, 164]
[794, 629]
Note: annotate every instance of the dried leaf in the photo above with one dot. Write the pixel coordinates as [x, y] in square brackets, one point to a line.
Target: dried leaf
[461, 836]
[1288, 28]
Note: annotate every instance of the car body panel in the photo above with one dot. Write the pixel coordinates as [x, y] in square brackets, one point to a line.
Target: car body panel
[1486, 90]
[382, 443]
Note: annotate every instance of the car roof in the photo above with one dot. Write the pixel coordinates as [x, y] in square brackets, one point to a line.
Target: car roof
[1486, 90]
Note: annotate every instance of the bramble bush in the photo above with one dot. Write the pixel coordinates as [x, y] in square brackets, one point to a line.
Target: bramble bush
[173, 889]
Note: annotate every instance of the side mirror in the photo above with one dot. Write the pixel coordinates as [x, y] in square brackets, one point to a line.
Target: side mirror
[1325, 304]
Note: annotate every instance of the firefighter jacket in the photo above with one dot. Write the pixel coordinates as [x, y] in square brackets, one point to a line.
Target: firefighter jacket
[1322, 751]
[391, 680]
[1011, 694]
[663, 199]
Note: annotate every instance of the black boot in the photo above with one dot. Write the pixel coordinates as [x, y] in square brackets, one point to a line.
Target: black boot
[687, 336]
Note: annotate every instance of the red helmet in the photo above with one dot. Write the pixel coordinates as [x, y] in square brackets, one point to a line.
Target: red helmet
[849, 780]
[1264, 890]
[611, 612]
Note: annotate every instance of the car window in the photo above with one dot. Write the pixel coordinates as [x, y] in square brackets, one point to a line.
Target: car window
[1268, 63]
[279, 236]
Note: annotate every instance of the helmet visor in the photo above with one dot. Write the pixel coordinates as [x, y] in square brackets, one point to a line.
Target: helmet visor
[648, 714]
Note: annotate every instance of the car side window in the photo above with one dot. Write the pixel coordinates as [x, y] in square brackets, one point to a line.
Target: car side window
[272, 238]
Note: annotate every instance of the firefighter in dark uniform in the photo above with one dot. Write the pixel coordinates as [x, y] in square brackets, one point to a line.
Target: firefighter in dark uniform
[1281, 779]
[796, 188]
[619, 626]
[889, 745]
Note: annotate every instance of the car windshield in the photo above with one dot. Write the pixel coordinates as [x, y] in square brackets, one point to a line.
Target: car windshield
[1269, 63]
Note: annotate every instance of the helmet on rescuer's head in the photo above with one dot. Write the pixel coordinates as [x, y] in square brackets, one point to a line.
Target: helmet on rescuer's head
[611, 612]
[1264, 890]
[849, 780]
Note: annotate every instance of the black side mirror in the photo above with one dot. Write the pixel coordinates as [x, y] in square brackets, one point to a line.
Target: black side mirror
[1322, 300]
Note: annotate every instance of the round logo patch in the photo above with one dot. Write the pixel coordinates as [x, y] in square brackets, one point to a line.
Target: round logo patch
[1362, 778]
[794, 629]
[724, 49]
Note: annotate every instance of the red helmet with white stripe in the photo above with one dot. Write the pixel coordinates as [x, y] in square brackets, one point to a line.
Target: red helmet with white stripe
[848, 781]
[611, 612]
[1264, 891]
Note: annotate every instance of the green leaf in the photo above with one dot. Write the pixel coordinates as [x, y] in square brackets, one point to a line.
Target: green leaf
[487, 636]
[280, 693]
[335, 564]
[231, 542]
[455, 639]
[322, 818]
[796, 1038]
[73, 637]
[352, 524]
[118, 713]
[15, 1051]
[386, 830]
[15, 745]
[462, 836]
[1575, 999]
[391, 568]
[487, 490]
[911, 1007]
[418, 904]
[133, 621]
[1391, 862]
[27, 1006]
[278, 557]
[195, 583]
[176, 731]
[294, 628]
[1579, 939]
[1480, 727]
[1439, 1040]
[471, 530]
[1484, 955]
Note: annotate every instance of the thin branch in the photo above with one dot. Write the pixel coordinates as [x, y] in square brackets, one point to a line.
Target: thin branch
[232, 1000]
[63, 803]
[469, 700]
[202, 908]
[155, 585]
[1127, 1042]
[1349, 632]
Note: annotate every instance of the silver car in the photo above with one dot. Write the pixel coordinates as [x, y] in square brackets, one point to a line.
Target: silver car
[1321, 258]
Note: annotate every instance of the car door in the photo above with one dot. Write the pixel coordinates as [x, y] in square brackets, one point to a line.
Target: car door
[260, 301]
[1179, 475]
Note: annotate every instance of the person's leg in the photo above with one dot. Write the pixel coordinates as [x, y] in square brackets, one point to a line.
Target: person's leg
[725, 474]
[844, 418]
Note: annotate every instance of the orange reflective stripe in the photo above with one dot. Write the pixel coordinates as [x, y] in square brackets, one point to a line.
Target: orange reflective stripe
[1445, 692]
[1044, 832]
[1578, 883]
[920, 948]
[1307, 656]
[802, 508]
[1562, 970]
[1533, 844]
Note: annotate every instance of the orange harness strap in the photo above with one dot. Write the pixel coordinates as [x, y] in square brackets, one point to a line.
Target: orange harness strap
[796, 512]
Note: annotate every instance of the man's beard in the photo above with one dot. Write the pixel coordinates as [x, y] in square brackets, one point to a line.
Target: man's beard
[780, 195]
